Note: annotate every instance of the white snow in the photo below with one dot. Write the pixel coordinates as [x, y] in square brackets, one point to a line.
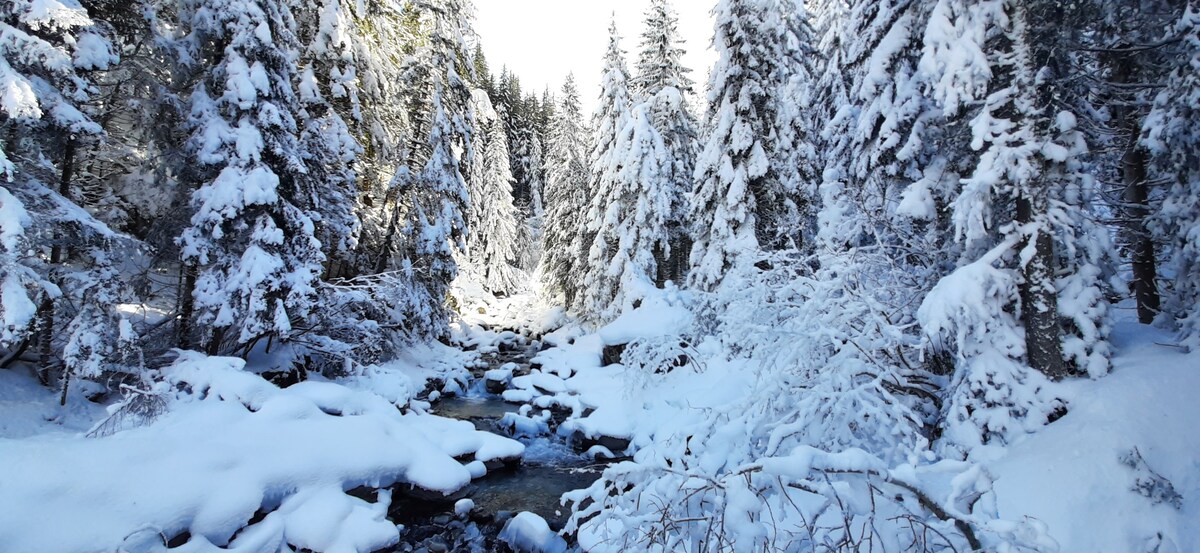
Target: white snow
[1070, 476]
[231, 445]
[528, 533]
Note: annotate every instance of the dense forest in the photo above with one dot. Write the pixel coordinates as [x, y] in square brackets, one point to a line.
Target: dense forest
[843, 281]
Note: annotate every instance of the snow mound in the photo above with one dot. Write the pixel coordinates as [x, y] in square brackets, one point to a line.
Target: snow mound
[230, 446]
[661, 314]
[529, 533]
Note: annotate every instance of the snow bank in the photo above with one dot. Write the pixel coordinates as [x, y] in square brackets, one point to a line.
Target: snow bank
[662, 314]
[1071, 476]
[231, 446]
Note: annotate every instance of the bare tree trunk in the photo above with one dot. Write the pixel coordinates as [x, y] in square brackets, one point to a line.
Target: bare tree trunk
[386, 250]
[1141, 247]
[214, 342]
[1039, 298]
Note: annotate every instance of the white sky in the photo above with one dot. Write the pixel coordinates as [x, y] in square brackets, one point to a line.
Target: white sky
[543, 40]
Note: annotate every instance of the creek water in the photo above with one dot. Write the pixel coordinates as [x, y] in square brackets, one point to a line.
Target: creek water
[548, 469]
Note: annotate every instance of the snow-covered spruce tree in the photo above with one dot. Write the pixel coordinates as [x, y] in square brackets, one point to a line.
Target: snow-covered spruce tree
[423, 207]
[662, 82]
[530, 245]
[567, 197]
[484, 114]
[660, 57]
[24, 287]
[492, 238]
[1015, 322]
[1172, 133]
[745, 196]
[608, 120]
[46, 57]
[440, 201]
[627, 221]
[516, 111]
[329, 96]
[251, 238]
[537, 159]
[880, 136]
[386, 71]
[502, 238]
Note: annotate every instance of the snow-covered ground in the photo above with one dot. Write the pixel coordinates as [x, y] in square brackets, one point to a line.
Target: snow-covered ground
[230, 445]
[1071, 474]
[1119, 472]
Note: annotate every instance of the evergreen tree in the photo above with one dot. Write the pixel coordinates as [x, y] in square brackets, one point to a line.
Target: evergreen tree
[1021, 221]
[330, 150]
[493, 237]
[41, 70]
[745, 197]
[627, 221]
[427, 198]
[662, 82]
[608, 122]
[1172, 134]
[48, 60]
[440, 200]
[567, 197]
[250, 236]
[497, 238]
[660, 59]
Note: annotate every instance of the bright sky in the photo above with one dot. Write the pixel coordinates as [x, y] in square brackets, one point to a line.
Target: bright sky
[543, 40]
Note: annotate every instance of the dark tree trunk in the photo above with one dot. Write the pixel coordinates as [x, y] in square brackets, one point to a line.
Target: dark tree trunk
[386, 251]
[1140, 244]
[214, 342]
[57, 252]
[187, 306]
[1141, 247]
[1039, 298]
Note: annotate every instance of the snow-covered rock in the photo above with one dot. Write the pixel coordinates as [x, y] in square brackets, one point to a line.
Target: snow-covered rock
[530, 533]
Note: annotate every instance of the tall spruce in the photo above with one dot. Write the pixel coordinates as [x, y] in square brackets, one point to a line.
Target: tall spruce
[1172, 133]
[626, 221]
[662, 82]
[746, 184]
[250, 236]
[567, 197]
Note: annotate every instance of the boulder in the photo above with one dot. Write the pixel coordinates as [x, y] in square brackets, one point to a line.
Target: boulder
[611, 354]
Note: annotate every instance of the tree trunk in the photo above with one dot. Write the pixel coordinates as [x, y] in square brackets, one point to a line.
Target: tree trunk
[213, 347]
[1140, 246]
[46, 310]
[187, 306]
[1142, 251]
[386, 250]
[1039, 298]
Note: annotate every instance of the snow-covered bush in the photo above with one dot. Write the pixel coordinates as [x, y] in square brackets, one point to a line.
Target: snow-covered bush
[102, 343]
[828, 371]
[805, 499]
[826, 340]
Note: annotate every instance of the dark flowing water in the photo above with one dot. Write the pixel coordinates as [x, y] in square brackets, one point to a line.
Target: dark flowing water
[548, 469]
